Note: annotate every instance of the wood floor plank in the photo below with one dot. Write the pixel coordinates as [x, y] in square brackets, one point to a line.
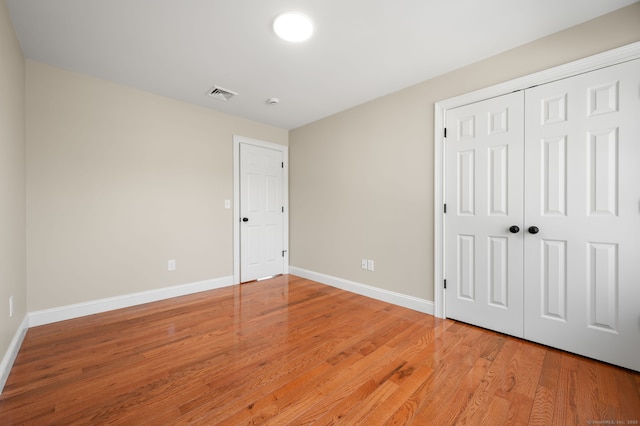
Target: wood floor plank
[629, 394]
[387, 408]
[489, 387]
[542, 409]
[342, 349]
[565, 409]
[433, 402]
[466, 376]
[293, 351]
[496, 412]
[519, 411]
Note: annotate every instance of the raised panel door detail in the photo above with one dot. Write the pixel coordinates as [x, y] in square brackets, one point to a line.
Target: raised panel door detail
[466, 267]
[272, 163]
[603, 286]
[254, 234]
[498, 181]
[466, 128]
[498, 122]
[603, 99]
[271, 244]
[498, 271]
[602, 159]
[484, 196]
[554, 282]
[253, 160]
[582, 270]
[253, 193]
[272, 204]
[466, 183]
[554, 109]
[554, 189]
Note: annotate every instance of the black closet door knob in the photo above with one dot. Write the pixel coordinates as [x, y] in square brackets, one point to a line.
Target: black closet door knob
[245, 219]
[514, 229]
[533, 230]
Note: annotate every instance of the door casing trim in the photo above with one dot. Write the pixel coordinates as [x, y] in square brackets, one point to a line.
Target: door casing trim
[237, 140]
[591, 63]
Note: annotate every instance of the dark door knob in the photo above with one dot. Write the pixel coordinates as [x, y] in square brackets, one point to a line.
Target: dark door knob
[514, 229]
[533, 230]
[245, 219]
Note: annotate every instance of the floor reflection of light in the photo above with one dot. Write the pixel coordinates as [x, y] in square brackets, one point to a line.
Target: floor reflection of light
[253, 314]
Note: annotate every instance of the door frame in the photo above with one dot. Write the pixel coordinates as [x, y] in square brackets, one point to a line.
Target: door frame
[237, 140]
[591, 63]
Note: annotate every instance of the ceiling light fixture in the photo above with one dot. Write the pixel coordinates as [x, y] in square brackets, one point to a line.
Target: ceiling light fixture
[293, 26]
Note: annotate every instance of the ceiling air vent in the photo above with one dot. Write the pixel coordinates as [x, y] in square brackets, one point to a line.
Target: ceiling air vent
[221, 94]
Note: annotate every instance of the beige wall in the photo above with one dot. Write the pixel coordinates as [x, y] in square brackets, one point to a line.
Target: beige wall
[361, 181]
[118, 182]
[12, 182]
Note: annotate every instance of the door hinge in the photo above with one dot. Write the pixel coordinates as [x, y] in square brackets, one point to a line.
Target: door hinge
[445, 207]
[283, 210]
[283, 164]
[445, 284]
[283, 252]
[445, 132]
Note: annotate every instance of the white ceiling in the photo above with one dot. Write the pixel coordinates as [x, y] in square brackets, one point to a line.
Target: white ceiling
[361, 49]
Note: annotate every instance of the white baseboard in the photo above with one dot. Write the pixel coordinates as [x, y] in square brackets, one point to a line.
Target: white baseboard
[410, 302]
[12, 352]
[47, 316]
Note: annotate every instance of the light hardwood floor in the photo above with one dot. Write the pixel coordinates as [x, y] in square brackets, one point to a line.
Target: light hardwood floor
[292, 351]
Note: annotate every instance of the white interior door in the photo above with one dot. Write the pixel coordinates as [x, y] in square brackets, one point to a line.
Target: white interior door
[582, 191]
[484, 181]
[261, 212]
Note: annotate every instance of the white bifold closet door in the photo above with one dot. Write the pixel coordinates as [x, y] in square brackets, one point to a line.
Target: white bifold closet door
[484, 159]
[582, 190]
[575, 259]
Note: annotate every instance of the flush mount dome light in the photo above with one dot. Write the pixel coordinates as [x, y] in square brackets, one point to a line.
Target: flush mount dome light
[293, 26]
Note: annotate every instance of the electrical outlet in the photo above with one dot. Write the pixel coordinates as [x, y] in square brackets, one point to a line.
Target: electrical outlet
[171, 265]
[227, 204]
[10, 306]
[364, 263]
[370, 265]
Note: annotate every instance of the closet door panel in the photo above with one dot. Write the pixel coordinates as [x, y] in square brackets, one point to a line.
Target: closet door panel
[582, 191]
[484, 152]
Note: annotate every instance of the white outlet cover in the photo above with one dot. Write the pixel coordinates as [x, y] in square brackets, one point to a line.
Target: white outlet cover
[370, 265]
[171, 265]
[227, 204]
[364, 263]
